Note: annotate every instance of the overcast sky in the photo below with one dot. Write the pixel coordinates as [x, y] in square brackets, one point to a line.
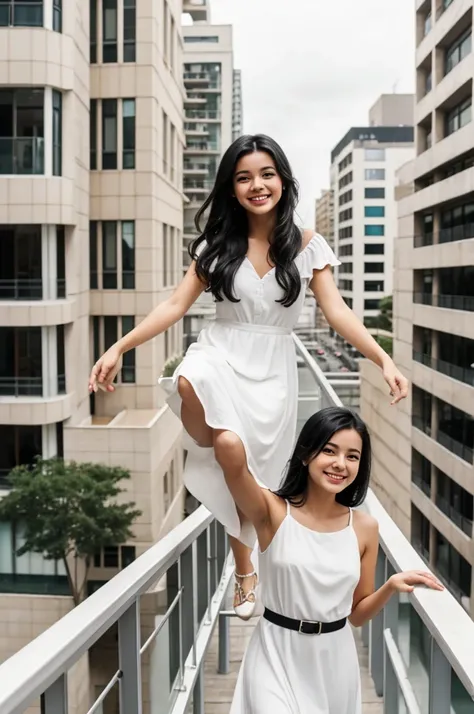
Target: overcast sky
[312, 69]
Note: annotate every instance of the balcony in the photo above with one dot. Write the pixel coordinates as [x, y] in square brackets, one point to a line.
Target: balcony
[465, 524]
[198, 9]
[449, 302]
[419, 656]
[199, 114]
[21, 156]
[461, 374]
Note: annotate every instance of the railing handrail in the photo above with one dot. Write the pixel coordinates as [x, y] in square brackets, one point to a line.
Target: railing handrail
[29, 672]
[448, 623]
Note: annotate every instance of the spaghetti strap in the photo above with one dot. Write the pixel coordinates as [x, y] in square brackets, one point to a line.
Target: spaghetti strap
[287, 507]
[350, 517]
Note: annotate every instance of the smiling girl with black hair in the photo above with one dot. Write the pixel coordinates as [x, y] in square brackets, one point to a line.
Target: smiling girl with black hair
[317, 565]
[241, 375]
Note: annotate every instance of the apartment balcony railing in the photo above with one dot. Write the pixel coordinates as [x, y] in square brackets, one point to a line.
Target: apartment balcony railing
[461, 374]
[422, 485]
[445, 235]
[27, 288]
[21, 14]
[450, 302]
[21, 386]
[456, 447]
[201, 185]
[21, 155]
[197, 114]
[420, 646]
[202, 146]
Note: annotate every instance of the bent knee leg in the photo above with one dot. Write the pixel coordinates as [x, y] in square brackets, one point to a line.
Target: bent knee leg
[229, 450]
[187, 393]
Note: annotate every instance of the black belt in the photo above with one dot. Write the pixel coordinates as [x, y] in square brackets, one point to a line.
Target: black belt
[305, 627]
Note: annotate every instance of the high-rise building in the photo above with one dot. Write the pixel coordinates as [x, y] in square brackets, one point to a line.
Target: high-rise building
[237, 108]
[324, 221]
[424, 449]
[363, 166]
[213, 116]
[91, 220]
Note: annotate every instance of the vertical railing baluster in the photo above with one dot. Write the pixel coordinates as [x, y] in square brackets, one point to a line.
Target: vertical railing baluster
[130, 660]
[224, 655]
[54, 700]
[390, 621]
[198, 694]
[440, 681]
[376, 651]
[195, 601]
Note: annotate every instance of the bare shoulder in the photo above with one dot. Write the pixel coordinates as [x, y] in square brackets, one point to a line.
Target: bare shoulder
[365, 524]
[308, 234]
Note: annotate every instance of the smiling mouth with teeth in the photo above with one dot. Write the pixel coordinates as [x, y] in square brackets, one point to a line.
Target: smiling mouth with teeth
[334, 477]
[256, 199]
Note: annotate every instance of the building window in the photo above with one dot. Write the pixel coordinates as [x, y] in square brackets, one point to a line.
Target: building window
[21, 262]
[93, 133]
[20, 446]
[128, 255]
[371, 304]
[57, 133]
[128, 123]
[374, 211]
[421, 409]
[345, 268]
[18, 13]
[374, 249]
[345, 215]
[129, 30]
[94, 283]
[374, 154]
[374, 230]
[345, 232]
[57, 16]
[165, 144]
[115, 241]
[457, 223]
[452, 567]
[421, 472]
[105, 332]
[210, 38]
[373, 267]
[21, 362]
[455, 431]
[374, 193]
[345, 197]
[428, 82]
[345, 180]
[373, 286]
[458, 50]
[93, 31]
[345, 250]
[346, 161]
[22, 131]
[455, 502]
[374, 174]
[420, 533]
[345, 285]
[458, 117]
[61, 262]
[109, 31]
[113, 556]
[109, 134]
[109, 255]
[427, 24]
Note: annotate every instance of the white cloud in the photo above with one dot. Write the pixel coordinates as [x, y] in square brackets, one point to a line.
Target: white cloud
[312, 69]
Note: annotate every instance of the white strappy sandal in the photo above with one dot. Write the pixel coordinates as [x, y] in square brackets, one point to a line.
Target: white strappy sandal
[247, 601]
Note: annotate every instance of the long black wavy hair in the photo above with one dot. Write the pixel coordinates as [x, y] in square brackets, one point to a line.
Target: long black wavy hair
[226, 229]
[316, 433]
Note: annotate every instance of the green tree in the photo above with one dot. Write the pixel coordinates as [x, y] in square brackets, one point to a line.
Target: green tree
[68, 512]
[385, 316]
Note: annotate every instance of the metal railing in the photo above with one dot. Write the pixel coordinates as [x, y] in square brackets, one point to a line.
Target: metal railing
[193, 559]
[454, 515]
[461, 374]
[28, 288]
[21, 386]
[445, 235]
[21, 155]
[195, 114]
[450, 302]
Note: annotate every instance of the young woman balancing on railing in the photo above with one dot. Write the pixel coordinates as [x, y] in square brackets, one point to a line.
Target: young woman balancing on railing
[317, 567]
[241, 375]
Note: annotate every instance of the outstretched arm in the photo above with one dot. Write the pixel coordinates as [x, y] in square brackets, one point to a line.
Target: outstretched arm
[344, 321]
[367, 601]
[157, 321]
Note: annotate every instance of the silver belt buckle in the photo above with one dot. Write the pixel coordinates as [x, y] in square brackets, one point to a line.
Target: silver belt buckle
[310, 622]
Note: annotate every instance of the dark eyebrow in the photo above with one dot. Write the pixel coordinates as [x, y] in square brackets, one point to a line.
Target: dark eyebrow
[335, 446]
[265, 168]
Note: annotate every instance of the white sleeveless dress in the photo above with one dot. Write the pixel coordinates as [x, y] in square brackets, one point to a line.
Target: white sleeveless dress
[312, 576]
[243, 370]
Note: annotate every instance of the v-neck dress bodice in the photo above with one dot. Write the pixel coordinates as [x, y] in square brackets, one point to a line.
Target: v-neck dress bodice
[243, 370]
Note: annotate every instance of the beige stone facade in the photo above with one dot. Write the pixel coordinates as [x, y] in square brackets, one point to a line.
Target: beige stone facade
[424, 448]
[91, 226]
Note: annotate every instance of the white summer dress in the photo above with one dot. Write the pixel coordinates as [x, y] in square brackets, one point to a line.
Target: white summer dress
[243, 370]
[305, 575]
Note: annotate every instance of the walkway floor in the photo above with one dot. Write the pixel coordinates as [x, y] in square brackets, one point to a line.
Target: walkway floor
[219, 688]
